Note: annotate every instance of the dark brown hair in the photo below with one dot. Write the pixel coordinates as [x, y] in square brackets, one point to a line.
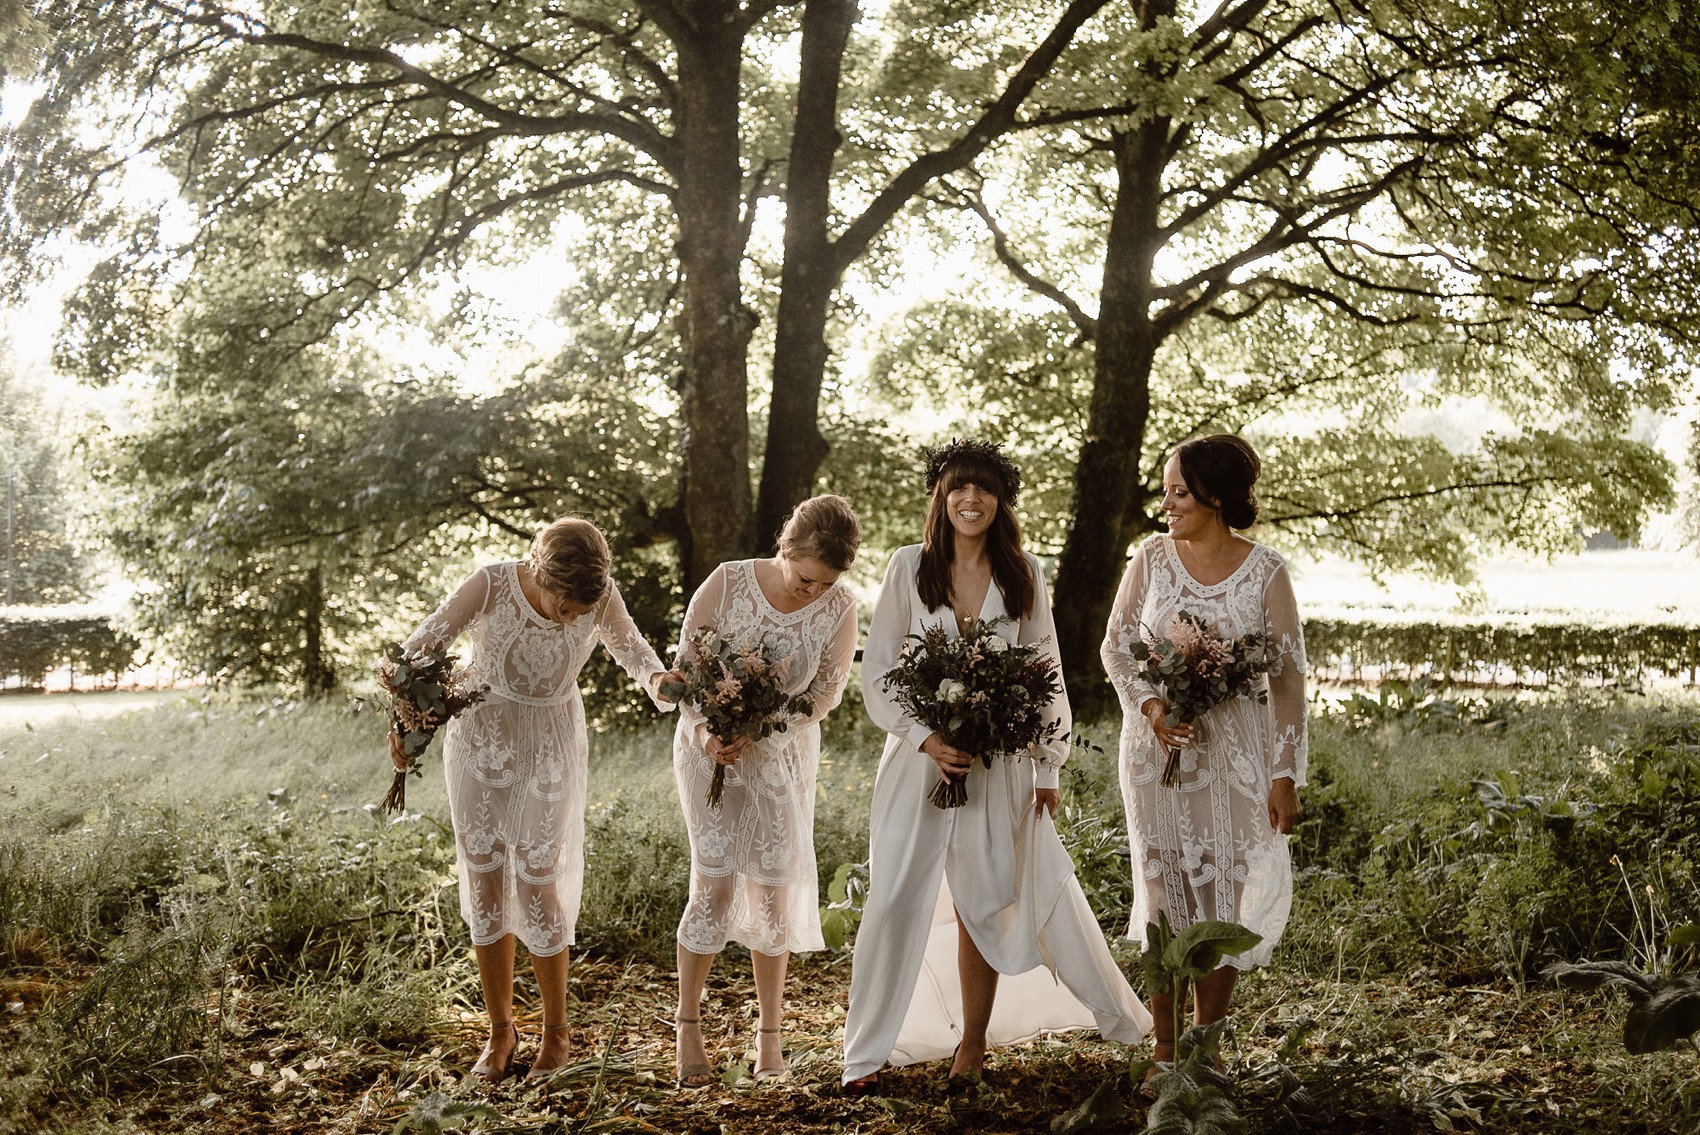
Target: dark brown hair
[824, 527]
[570, 559]
[1003, 542]
[1221, 470]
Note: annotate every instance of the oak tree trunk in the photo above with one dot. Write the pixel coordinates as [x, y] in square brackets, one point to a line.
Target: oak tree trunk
[1110, 495]
[795, 447]
[715, 324]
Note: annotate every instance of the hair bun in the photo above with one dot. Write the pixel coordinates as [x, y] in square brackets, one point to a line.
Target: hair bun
[1222, 470]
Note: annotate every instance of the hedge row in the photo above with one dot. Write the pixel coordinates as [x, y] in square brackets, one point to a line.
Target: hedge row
[33, 644]
[1519, 651]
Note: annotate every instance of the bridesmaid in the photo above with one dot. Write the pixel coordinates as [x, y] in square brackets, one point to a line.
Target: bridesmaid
[517, 764]
[753, 876]
[1214, 846]
[966, 894]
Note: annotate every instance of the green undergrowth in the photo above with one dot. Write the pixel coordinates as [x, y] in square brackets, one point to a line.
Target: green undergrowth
[184, 888]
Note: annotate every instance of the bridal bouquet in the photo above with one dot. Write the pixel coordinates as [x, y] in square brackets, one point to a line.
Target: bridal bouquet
[985, 696]
[1198, 669]
[424, 693]
[738, 688]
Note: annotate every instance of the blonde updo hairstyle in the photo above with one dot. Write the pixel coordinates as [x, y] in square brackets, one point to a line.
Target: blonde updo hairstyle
[570, 559]
[824, 528]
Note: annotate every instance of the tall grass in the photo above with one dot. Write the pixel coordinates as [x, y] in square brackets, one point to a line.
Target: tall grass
[159, 870]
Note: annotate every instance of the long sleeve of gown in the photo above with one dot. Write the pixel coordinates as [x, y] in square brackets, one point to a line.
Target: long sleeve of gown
[1040, 629]
[456, 613]
[885, 642]
[703, 611]
[628, 646]
[1287, 685]
[826, 689]
[1120, 635]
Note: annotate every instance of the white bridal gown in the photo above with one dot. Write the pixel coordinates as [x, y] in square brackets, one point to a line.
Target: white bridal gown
[992, 861]
[753, 876]
[1205, 848]
[517, 763]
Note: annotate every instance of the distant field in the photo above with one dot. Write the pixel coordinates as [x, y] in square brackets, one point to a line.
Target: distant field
[1629, 584]
[19, 707]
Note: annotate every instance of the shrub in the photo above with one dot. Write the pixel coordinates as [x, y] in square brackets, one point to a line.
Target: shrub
[35, 642]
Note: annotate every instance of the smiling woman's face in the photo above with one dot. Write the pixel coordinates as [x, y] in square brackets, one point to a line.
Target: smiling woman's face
[971, 509]
[1188, 517]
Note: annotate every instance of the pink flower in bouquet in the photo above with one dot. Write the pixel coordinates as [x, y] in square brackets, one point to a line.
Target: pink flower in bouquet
[1197, 669]
[740, 690]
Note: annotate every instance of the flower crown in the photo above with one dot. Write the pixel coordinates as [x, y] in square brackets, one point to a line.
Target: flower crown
[973, 449]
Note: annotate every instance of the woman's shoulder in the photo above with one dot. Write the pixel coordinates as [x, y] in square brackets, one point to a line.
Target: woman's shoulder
[906, 556]
[734, 569]
[843, 596]
[1265, 556]
[723, 571]
[1261, 564]
[493, 574]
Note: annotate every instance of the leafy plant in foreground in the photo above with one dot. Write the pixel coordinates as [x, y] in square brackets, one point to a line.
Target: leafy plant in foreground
[437, 1113]
[1193, 1097]
[1171, 960]
[1662, 1010]
[845, 895]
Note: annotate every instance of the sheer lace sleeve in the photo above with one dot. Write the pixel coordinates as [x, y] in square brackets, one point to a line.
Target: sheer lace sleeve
[628, 646]
[1287, 687]
[1039, 628]
[705, 610]
[827, 688]
[449, 621]
[1122, 632]
[893, 617]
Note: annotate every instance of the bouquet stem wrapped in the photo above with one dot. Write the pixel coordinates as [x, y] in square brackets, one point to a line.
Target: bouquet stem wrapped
[1198, 669]
[982, 694]
[424, 694]
[739, 689]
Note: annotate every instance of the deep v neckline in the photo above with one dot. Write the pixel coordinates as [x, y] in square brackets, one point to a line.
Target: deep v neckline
[980, 612]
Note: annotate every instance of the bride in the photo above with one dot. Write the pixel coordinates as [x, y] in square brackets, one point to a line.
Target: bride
[965, 899]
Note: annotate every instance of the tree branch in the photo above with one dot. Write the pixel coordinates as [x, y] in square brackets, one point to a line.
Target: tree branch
[972, 201]
[992, 124]
[636, 132]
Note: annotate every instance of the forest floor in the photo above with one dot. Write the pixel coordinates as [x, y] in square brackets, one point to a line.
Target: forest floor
[1388, 1056]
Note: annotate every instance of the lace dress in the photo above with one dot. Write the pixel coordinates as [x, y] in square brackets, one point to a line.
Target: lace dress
[992, 862]
[517, 763]
[1205, 849]
[753, 874]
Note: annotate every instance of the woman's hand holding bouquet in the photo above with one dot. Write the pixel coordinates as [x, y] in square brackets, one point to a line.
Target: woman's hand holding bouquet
[424, 694]
[739, 689]
[979, 694]
[1197, 669]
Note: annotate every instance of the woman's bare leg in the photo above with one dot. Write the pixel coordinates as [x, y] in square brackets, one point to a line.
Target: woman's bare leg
[770, 996]
[979, 992]
[557, 1047]
[690, 1051]
[496, 979]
